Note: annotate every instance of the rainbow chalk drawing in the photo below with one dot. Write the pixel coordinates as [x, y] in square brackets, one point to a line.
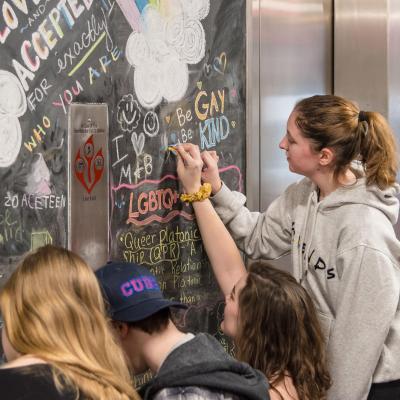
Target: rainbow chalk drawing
[131, 13]
[12, 106]
[167, 36]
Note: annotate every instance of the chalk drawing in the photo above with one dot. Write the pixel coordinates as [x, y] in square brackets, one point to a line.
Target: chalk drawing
[170, 37]
[196, 9]
[40, 238]
[38, 180]
[10, 139]
[128, 113]
[12, 95]
[138, 143]
[12, 106]
[130, 12]
[151, 125]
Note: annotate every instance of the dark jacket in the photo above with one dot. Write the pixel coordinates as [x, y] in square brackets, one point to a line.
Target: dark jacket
[33, 382]
[200, 368]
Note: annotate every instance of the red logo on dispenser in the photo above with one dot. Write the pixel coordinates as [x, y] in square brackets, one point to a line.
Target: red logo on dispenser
[89, 167]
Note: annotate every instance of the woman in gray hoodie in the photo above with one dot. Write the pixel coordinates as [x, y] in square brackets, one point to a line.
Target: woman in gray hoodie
[337, 223]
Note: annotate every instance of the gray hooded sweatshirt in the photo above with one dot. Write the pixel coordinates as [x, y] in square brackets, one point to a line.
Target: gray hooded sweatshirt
[345, 253]
[201, 369]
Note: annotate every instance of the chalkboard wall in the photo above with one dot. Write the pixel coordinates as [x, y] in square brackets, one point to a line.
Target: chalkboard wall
[170, 71]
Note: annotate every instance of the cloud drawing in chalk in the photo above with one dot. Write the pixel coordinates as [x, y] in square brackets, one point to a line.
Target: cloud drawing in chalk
[171, 37]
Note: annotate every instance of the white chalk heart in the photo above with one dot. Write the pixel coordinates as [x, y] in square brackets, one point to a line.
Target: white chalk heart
[138, 142]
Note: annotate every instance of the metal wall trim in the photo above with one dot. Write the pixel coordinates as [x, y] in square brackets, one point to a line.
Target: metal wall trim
[253, 104]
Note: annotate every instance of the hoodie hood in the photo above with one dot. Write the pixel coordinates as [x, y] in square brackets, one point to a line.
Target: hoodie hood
[203, 362]
[384, 200]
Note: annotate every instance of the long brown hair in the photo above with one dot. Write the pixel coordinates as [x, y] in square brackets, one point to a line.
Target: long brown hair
[53, 308]
[279, 332]
[336, 123]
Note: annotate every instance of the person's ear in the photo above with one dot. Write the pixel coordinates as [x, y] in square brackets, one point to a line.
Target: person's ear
[122, 329]
[326, 157]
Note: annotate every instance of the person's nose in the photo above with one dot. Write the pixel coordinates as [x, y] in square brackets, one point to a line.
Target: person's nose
[283, 144]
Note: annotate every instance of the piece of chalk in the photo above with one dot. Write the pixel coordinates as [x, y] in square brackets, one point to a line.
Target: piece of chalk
[172, 149]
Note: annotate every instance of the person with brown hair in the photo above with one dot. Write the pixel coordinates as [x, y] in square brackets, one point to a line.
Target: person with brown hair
[270, 316]
[287, 341]
[56, 336]
[337, 223]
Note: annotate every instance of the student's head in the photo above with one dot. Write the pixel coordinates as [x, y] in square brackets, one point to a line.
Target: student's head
[330, 131]
[53, 308]
[136, 305]
[275, 328]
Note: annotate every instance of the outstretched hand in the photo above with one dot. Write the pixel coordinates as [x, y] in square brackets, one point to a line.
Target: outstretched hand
[189, 167]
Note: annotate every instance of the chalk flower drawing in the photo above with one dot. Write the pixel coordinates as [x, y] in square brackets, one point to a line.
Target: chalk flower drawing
[170, 37]
[12, 106]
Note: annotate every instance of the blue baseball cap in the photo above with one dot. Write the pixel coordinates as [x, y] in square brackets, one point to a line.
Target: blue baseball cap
[132, 291]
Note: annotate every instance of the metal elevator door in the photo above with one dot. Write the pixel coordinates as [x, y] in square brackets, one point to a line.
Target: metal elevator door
[298, 48]
[291, 57]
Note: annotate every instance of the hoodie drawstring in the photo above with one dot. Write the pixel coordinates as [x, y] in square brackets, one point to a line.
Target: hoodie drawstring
[307, 240]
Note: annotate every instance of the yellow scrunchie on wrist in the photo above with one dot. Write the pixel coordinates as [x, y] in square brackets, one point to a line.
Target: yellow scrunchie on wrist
[203, 193]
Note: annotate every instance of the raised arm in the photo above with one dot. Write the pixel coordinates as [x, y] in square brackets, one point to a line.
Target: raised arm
[221, 249]
[260, 235]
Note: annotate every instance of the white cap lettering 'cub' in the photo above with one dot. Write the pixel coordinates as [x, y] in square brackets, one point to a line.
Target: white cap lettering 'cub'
[12, 106]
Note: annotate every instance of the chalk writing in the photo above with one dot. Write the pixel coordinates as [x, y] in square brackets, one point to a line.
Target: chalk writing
[68, 96]
[38, 132]
[104, 62]
[45, 39]
[38, 94]
[160, 205]
[34, 202]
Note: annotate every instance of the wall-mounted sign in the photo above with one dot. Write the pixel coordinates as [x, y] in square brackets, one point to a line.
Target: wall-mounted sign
[88, 182]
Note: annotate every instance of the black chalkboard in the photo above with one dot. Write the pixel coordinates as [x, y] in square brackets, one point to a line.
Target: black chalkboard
[170, 71]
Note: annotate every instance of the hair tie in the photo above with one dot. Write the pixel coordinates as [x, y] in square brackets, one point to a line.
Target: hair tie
[362, 116]
[203, 193]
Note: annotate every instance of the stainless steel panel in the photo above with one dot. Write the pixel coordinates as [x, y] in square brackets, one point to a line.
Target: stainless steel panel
[295, 62]
[360, 63]
[367, 57]
[393, 48]
[88, 182]
[253, 104]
